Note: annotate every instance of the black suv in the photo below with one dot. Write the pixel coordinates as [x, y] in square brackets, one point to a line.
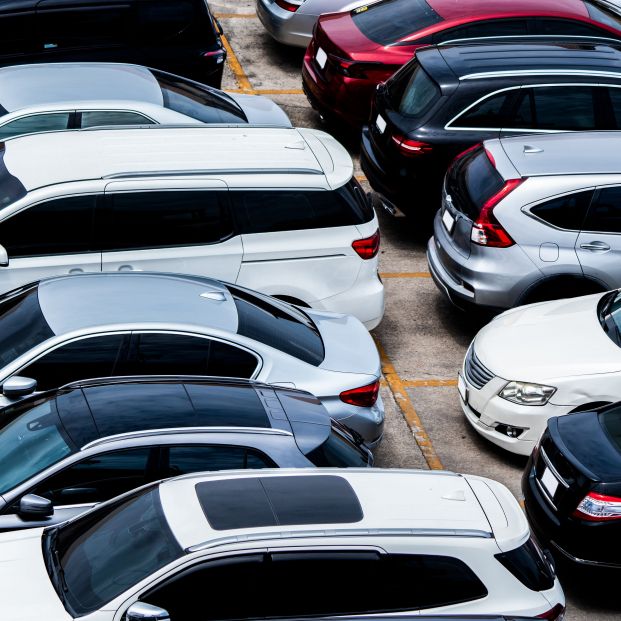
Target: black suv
[449, 98]
[179, 36]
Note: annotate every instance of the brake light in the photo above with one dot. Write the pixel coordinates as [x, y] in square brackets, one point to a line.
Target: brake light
[487, 231]
[363, 397]
[351, 68]
[219, 55]
[468, 150]
[598, 508]
[368, 247]
[411, 148]
[554, 614]
[288, 6]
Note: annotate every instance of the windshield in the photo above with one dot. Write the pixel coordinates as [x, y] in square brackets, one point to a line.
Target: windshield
[30, 442]
[197, 100]
[97, 557]
[22, 324]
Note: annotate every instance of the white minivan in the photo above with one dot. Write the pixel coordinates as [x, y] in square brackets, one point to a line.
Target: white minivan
[274, 209]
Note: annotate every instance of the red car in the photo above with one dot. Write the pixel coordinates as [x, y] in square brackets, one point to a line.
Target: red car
[352, 52]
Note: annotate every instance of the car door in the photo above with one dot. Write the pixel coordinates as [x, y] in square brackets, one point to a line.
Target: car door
[50, 238]
[599, 243]
[181, 227]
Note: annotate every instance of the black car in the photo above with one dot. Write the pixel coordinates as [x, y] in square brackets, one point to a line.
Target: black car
[449, 98]
[572, 487]
[179, 36]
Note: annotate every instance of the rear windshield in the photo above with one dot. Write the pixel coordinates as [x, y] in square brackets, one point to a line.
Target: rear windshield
[611, 422]
[197, 101]
[278, 325]
[528, 564]
[412, 92]
[471, 181]
[339, 451]
[388, 21]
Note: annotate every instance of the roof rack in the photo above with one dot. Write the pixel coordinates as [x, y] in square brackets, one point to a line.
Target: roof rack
[544, 72]
[215, 171]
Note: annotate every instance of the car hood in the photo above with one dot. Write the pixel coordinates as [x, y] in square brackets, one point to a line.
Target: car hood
[26, 593]
[549, 340]
[261, 110]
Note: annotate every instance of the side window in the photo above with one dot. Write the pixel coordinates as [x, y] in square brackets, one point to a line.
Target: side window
[188, 459]
[548, 26]
[138, 220]
[83, 359]
[177, 354]
[564, 212]
[54, 121]
[27, 233]
[605, 212]
[101, 118]
[615, 102]
[491, 113]
[523, 116]
[488, 28]
[99, 478]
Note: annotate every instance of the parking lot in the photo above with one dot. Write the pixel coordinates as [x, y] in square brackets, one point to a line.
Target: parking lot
[422, 339]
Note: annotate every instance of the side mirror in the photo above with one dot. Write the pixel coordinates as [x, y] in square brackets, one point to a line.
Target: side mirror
[4, 257]
[16, 387]
[33, 507]
[139, 611]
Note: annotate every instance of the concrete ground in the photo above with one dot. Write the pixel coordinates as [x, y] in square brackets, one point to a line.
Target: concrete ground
[422, 339]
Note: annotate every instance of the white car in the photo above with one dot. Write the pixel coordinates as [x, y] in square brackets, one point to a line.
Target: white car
[64, 96]
[538, 361]
[294, 543]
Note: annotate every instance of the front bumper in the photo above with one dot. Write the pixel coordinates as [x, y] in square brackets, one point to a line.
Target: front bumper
[284, 26]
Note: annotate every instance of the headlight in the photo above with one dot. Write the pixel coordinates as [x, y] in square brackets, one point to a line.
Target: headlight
[527, 394]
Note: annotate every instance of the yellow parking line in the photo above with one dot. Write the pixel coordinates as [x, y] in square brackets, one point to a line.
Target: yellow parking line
[418, 383]
[235, 66]
[279, 91]
[361, 178]
[406, 406]
[236, 15]
[405, 274]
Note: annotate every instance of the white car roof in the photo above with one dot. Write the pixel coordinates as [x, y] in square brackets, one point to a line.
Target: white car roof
[23, 86]
[164, 151]
[404, 502]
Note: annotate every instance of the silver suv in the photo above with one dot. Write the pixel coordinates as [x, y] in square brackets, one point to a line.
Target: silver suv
[528, 219]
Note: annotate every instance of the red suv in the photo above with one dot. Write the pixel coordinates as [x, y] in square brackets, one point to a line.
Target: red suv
[352, 52]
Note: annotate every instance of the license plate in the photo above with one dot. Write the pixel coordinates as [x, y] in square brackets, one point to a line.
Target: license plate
[462, 389]
[321, 57]
[380, 124]
[549, 482]
[448, 220]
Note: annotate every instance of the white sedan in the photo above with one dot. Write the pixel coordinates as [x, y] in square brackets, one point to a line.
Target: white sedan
[539, 361]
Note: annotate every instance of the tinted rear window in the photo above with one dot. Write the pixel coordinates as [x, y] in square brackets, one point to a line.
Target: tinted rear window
[391, 20]
[338, 451]
[611, 422]
[413, 92]
[529, 566]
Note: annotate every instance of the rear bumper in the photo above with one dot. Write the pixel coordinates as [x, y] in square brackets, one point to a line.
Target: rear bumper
[284, 26]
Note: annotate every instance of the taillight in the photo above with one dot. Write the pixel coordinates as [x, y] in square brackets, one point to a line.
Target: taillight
[465, 152]
[368, 247]
[411, 148]
[353, 69]
[554, 614]
[219, 55]
[364, 397]
[288, 6]
[487, 231]
[598, 508]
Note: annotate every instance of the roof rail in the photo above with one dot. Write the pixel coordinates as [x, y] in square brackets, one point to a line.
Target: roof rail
[149, 379]
[190, 125]
[547, 39]
[215, 171]
[542, 72]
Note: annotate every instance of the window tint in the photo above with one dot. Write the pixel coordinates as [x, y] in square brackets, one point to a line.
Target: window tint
[338, 451]
[98, 118]
[605, 212]
[565, 212]
[604, 15]
[87, 358]
[27, 233]
[161, 219]
[35, 123]
[529, 566]
[420, 93]
[570, 27]
[495, 28]
[188, 459]
[17, 35]
[99, 478]
[177, 354]
[615, 102]
[491, 113]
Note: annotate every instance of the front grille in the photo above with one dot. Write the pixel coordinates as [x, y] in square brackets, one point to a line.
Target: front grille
[478, 375]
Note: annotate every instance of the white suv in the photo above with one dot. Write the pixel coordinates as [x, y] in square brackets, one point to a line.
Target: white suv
[275, 209]
[301, 542]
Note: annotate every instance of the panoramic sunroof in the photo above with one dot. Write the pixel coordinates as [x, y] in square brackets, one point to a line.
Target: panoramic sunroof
[278, 501]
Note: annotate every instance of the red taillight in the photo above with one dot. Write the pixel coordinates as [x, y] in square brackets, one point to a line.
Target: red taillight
[468, 150]
[353, 69]
[288, 6]
[554, 614]
[364, 397]
[368, 247]
[411, 148]
[487, 231]
[598, 508]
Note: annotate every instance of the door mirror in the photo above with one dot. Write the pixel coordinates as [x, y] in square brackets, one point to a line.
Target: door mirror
[33, 507]
[140, 611]
[16, 387]
[4, 257]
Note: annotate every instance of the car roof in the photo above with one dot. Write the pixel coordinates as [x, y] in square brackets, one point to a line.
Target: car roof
[176, 151]
[452, 9]
[22, 86]
[561, 154]
[405, 502]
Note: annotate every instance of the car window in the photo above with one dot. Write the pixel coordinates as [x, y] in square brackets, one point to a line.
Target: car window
[178, 354]
[615, 102]
[604, 15]
[136, 220]
[565, 212]
[27, 233]
[491, 113]
[35, 123]
[550, 26]
[99, 478]
[164, 21]
[604, 214]
[101, 118]
[90, 357]
[188, 459]
[529, 566]
[419, 94]
[487, 28]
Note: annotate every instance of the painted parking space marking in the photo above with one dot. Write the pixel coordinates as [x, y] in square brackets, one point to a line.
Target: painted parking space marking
[421, 383]
[235, 66]
[405, 274]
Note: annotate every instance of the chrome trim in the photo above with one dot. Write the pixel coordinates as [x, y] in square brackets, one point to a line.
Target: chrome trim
[554, 471]
[214, 171]
[168, 379]
[582, 561]
[544, 493]
[551, 72]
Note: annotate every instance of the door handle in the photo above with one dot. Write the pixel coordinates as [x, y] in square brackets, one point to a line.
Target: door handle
[596, 246]
[76, 270]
